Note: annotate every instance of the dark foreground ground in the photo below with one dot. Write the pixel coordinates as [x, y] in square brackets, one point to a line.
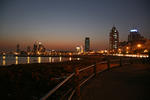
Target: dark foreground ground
[33, 81]
[130, 82]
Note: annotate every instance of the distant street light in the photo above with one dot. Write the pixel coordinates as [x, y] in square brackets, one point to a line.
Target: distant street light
[127, 48]
[119, 50]
[139, 45]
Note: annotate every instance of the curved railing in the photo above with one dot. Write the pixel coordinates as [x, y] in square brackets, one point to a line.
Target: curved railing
[72, 84]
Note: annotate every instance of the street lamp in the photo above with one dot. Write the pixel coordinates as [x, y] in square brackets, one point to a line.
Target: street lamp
[119, 50]
[127, 49]
[139, 46]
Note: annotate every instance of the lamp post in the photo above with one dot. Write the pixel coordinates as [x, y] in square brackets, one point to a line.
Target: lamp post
[139, 47]
[127, 49]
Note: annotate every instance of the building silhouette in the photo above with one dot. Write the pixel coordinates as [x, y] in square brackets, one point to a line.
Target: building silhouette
[28, 49]
[18, 48]
[35, 47]
[41, 48]
[113, 40]
[134, 36]
[87, 44]
[38, 48]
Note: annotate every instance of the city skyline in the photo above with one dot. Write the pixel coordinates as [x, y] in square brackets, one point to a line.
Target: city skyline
[62, 25]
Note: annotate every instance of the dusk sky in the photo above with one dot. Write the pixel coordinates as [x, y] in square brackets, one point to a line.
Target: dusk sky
[64, 24]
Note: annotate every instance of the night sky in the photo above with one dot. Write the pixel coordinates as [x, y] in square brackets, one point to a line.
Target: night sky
[63, 24]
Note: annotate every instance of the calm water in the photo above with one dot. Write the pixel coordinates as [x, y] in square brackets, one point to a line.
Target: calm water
[9, 60]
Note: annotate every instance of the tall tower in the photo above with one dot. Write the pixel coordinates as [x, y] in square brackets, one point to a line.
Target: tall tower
[87, 44]
[134, 36]
[113, 40]
[28, 49]
[35, 47]
[18, 48]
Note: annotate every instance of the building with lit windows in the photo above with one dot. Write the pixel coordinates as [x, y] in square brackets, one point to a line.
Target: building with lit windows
[134, 36]
[79, 50]
[38, 48]
[41, 48]
[113, 40]
[136, 44]
[87, 44]
[35, 47]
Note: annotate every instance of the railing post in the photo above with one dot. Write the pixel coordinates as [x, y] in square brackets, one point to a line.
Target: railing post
[108, 64]
[77, 85]
[94, 69]
[120, 62]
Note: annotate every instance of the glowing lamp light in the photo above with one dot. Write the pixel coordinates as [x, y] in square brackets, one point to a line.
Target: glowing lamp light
[40, 43]
[78, 48]
[70, 54]
[139, 45]
[145, 51]
[4, 57]
[134, 30]
[127, 48]
[102, 51]
[70, 58]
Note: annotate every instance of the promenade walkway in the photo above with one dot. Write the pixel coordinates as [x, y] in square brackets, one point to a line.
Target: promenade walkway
[129, 82]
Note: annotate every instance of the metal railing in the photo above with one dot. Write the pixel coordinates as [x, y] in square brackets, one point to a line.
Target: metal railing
[58, 86]
[80, 77]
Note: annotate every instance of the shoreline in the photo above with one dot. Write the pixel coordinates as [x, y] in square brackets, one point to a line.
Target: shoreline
[17, 80]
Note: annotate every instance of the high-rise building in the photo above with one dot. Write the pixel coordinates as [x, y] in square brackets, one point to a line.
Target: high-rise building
[41, 48]
[134, 36]
[114, 40]
[35, 48]
[18, 48]
[28, 49]
[87, 44]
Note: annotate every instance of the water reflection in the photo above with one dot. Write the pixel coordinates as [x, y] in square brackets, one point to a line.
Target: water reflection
[4, 57]
[4, 62]
[28, 60]
[8, 60]
[39, 59]
[50, 59]
[16, 60]
[70, 58]
[53, 59]
[60, 59]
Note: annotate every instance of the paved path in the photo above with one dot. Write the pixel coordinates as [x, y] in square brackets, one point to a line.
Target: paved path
[123, 83]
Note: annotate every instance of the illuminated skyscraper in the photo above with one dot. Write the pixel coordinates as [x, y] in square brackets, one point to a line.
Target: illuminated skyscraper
[134, 36]
[41, 48]
[35, 47]
[114, 40]
[87, 44]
